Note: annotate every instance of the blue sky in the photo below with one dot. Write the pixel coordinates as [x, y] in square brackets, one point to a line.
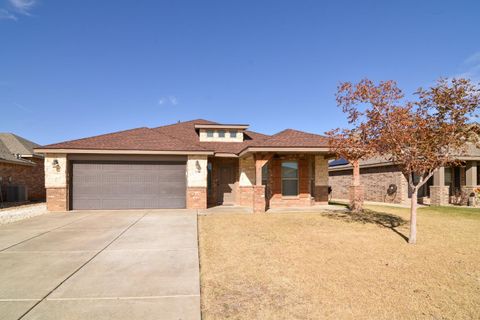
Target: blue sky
[70, 69]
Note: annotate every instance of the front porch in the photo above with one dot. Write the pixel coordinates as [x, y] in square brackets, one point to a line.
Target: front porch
[267, 180]
[454, 185]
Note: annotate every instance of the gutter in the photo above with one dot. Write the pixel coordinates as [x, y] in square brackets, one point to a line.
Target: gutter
[108, 151]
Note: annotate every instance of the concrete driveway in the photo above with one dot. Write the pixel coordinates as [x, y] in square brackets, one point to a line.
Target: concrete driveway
[101, 265]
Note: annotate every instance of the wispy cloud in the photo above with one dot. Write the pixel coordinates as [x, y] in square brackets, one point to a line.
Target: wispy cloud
[23, 6]
[16, 8]
[7, 15]
[470, 68]
[172, 100]
[21, 107]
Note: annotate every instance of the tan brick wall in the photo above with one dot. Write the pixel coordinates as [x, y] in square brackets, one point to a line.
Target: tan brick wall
[33, 177]
[321, 171]
[57, 199]
[245, 196]
[247, 171]
[321, 179]
[439, 195]
[196, 198]
[375, 182]
[259, 204]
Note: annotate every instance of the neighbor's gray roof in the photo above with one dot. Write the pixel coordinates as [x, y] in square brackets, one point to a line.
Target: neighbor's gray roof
[472, 153]
[13, 148]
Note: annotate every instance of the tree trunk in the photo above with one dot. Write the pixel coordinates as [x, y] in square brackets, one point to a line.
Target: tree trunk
[356, 190]
[413, 217]
[356, 173]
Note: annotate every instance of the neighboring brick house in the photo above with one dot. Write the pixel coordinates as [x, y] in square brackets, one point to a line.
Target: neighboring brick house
[191, 164]
[448, 185]
[21, 169]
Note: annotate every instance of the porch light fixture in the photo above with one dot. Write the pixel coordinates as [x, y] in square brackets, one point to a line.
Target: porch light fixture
[55, 164]
[198, 167]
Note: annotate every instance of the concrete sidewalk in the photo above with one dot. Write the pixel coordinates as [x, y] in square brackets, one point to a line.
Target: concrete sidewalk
[101, 265]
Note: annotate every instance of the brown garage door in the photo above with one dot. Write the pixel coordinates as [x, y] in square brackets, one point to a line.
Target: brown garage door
[128, 185]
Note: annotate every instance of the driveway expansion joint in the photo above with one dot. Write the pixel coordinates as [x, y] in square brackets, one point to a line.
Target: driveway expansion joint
[43, 233]
[82, 265]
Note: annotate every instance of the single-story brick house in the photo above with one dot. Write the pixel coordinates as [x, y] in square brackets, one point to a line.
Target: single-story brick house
[449, 185]
[21, 169]
[191, 164]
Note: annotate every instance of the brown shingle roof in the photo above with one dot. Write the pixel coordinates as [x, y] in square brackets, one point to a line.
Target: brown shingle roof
[134, 139]
[182, 136]
[293, 138]
[186, 131]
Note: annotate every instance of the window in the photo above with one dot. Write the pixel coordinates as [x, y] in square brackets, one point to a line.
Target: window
[221, 133]
[290, 178]
[448, 176]
[265, 175]
[210, 133]
[209, 178]
[233, 134]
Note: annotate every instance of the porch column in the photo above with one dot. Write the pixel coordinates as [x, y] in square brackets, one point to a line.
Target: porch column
[197, 182]
[247, 173]
[439, 192]
[259, 201]
[321, 180]
[57, 182]
[470, 182]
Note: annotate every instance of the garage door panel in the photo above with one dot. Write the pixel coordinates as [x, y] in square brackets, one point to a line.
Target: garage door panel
[123, 185]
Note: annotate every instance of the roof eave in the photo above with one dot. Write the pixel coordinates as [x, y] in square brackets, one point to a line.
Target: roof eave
[222, 126]
[21, 163]
[123, 151]
[325, 150]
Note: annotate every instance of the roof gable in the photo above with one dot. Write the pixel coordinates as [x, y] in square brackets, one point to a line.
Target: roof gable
[183, 136]
[293, 138]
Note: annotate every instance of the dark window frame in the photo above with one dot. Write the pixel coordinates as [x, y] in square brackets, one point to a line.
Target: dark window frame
[297, 178]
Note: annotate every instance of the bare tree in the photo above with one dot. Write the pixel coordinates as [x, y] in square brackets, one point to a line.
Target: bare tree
[418, 136]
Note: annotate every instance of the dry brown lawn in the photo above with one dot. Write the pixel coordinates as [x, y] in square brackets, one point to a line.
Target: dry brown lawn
[338, 266]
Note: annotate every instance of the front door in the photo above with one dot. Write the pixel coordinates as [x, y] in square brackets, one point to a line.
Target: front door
[226, 185]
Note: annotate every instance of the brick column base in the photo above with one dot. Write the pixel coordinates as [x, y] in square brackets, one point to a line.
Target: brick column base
[245, 196]
[439, 195]
[57, 199]
[259, 204]
[468, 190]
[321, 194]
[356, 196]
[196, 198]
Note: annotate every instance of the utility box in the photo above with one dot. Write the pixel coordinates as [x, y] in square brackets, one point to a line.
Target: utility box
[16, 193]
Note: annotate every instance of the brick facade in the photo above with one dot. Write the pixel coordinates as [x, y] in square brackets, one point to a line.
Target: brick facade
[245, 196]
[31, 176]
[304, 198]
[439, 195]
[57, 199]
[259, 203]
[196, 198]
[375, 182]
[321, 180]
[196, 182]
